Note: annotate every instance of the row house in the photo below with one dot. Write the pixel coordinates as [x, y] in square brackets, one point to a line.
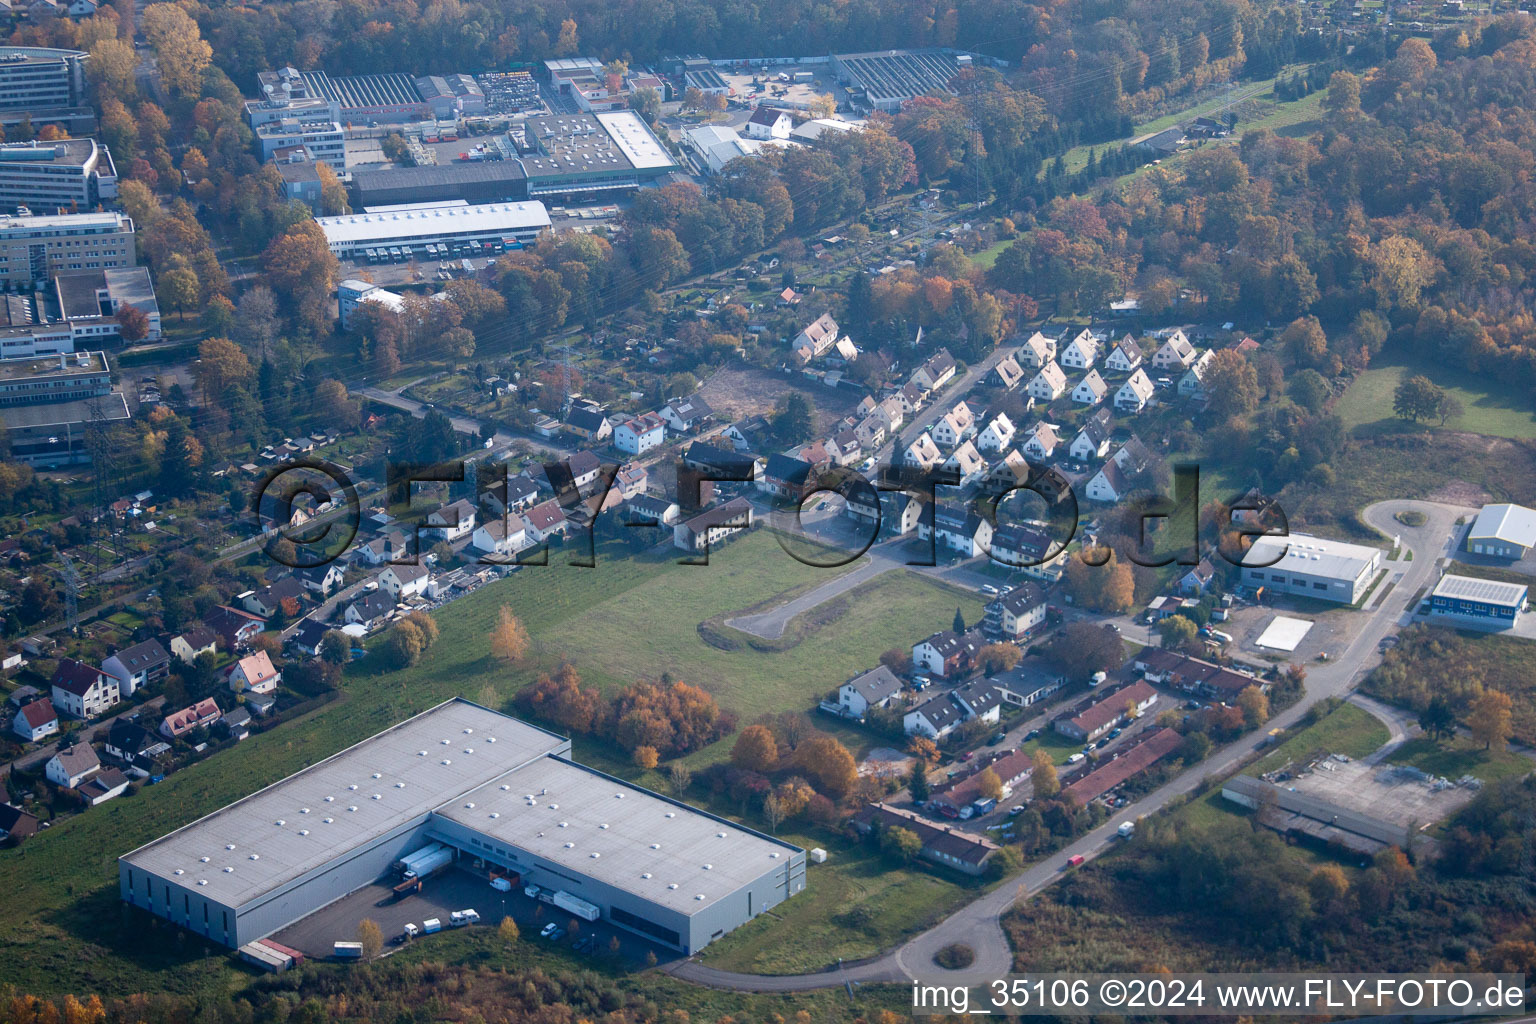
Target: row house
[960, 531]
[712, 526]
[978, 700]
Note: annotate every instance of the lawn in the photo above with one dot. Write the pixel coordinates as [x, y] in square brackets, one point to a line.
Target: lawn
[856, 905]
[1348, 730]
[69, 931]
[1454, 758]
[1492, 407]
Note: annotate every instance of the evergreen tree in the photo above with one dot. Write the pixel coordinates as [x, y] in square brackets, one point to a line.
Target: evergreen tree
[917, 781]
[959, 626]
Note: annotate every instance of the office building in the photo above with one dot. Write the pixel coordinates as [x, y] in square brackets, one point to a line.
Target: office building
[49, 406]
[1477, 603]
[35, 248]
[90, 300]
[322, 141]
[1327, 570]
[71, 175]
[498, 792]
[41, 78]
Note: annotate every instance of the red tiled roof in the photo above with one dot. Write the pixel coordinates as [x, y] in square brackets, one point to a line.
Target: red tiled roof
[1158, 745]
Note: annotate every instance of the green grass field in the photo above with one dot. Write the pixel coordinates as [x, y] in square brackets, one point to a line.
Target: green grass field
[1492, 408]
[69, 931]
[1454, 758]
[1348, 730]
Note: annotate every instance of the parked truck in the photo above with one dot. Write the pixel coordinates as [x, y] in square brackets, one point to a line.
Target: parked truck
[427, 866]
[407, 865]
[410, 887]
[1126, 829]
[576, 906]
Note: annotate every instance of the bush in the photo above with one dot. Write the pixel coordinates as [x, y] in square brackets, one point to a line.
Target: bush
[956, 956]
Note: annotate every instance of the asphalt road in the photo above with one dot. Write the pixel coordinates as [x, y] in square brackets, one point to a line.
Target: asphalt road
[978, 924]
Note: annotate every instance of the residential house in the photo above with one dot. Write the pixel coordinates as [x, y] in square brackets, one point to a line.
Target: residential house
[1049, 384]
[36, 721]
[967, 462]
[1175, 353]
[103, 786]
[630, 481]
[1082, 352]
[1195, 675]
[997, 435]
[234, 627]
[922, 452]
[452, 522]
[768, 123]
[1091, 390]
[403, 582]
[787, 297]
[1198, 579]
[203, 714]
[82, 690]
[68, 768]
[871, 431]
[895, 414]
[685, 415]
[843, 353]
[707, 529]
[1029, 682]
[320, 579]
[959, 531]
[369, 611]
[268, 600]
[943, 845]
[639, 435]
[942, 714]
[1014, 615]
[141, 665]
[1150, 747]
[1037, 352]
[16, 823]
[911, 397]
[819, 336]
[1125, 357]
[954, 426]
[390, 546]
[545, 520]
[1135, 393]
[589, 423]
[953, 798]
[877, 688]
[1011, 471]
[721, 465]
[786, 477]
[501, 537]
[190, 643]
[1007, 374]
[1192, 384]
[1092, 441]
[650, 511]
[307, 637]
[1246, 346]
[511, 494]
[946, 654]
[1020, 545]
[1129, 469]
[134, 746]
[1042, 441]
[236, 723]
[845, 447]
[1108, 711]
[937, 371]
[254, 674]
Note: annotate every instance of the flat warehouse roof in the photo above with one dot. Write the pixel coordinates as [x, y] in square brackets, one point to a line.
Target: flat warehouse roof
[1488, 591]
[255, 845]
[52, 415]
[1314, 556]
[627, 837]
[434, 220]
[634, 139]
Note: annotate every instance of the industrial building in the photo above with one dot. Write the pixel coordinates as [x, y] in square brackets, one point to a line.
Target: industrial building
[48, 406]
[499, 225]
[79, 311]
[884, 81]
[362, 99]
[1327, 570]
[1503, 531]
[501, 794]
[41, 78]
[34, 248]
[46, 177]
[1477, 603]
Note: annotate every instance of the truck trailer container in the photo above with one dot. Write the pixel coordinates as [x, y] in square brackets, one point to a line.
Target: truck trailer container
[576, 905]
[427, 866]
[348, 950]
[408, 862]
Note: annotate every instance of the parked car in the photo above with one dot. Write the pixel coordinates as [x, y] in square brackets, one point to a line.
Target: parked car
[987, 588]
[997, 738]
[1075, 860]
[549, 931]
[1115, 733]
[1016, 809]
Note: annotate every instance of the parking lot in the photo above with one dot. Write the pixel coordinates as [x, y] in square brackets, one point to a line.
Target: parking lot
[457, 889]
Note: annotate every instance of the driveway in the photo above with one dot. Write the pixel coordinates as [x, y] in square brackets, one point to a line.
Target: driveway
[979, 925]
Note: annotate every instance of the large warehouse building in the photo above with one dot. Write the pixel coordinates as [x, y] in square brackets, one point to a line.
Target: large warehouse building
[504, 225]
[1503, 531]
[884, 81]
[1327, 570]
[1477, 603]
[493, 788]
